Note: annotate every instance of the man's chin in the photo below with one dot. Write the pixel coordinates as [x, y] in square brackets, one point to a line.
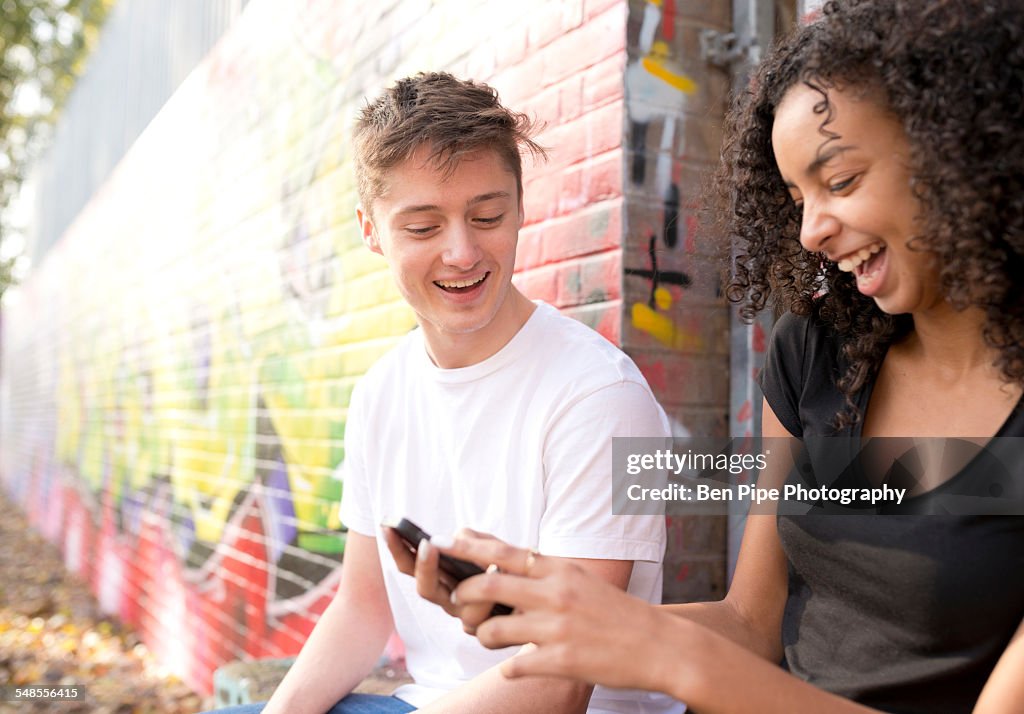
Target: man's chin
[462, 327]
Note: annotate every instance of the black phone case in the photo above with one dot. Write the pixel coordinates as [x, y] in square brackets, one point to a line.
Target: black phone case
[456, 568]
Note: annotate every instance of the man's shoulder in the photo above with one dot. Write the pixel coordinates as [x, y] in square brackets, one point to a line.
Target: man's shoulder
[393, 364]
[566, 342]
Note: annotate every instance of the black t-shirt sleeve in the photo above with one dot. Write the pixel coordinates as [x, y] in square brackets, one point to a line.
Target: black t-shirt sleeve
[782, 378]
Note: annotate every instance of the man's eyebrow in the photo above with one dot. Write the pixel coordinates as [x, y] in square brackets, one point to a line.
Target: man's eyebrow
[418, 208]
[488, 196]
[821, 159]
[472, 202]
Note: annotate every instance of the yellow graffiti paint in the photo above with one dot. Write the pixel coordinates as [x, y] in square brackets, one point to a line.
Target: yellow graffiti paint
[663, 298]
[654, 63]
[663, 329]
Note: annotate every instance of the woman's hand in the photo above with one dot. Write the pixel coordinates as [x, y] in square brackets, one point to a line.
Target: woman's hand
[583, 627]
[434, 584]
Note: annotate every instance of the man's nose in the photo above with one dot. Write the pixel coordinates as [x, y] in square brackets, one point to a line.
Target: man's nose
[462, 249]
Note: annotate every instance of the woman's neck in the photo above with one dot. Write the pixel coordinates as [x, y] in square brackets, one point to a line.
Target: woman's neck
[941, 380]
[950, 344]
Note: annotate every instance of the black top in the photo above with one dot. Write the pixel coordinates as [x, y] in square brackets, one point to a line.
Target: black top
[901, 613]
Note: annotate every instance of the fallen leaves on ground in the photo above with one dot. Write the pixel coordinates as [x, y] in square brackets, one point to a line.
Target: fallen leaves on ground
[52, 633]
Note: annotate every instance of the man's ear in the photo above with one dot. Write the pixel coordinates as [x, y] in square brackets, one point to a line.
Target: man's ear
[367, 230]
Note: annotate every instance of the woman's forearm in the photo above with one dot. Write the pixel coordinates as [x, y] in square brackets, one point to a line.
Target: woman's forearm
[724, 618]
[713, 674]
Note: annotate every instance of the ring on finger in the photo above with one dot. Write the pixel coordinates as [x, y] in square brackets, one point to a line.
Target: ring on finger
[531, 560]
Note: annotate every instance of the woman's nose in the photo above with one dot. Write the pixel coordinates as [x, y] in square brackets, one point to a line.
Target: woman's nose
[817, 226]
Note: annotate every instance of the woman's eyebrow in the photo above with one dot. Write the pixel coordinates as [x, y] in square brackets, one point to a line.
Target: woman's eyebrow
[825, 156]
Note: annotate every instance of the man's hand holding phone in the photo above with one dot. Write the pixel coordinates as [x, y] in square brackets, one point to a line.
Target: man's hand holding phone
[437, 575]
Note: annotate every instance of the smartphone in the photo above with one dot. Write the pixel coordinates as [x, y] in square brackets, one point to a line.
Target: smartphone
[455, 568]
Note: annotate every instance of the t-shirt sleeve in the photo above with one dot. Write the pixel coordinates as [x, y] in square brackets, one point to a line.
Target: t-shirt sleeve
[578, 520]
[355, 510]
[782, 378]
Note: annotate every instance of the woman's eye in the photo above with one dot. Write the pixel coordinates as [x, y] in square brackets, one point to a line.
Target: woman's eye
[842, 185]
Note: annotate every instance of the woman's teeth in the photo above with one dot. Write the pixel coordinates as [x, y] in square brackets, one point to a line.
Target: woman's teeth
[852, 262]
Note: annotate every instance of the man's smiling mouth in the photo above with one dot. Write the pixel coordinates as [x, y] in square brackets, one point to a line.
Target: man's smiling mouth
[460, 285]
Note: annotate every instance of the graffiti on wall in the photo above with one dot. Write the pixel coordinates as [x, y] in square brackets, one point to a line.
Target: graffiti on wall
[206, 319]
[656, 94]
[651, 316]
[670, 284]
[178, 374]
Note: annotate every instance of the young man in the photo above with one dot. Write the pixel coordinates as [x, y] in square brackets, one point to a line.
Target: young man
[497, 414]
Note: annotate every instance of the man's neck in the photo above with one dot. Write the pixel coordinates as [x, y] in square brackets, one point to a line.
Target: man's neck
[452, 350]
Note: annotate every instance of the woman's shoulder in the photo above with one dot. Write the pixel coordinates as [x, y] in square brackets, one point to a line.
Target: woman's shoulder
[805, 339]
[801, 371]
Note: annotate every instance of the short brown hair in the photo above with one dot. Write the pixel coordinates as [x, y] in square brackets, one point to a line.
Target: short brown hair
[454, 117]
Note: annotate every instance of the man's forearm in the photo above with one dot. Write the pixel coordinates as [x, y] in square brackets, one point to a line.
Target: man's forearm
[492, 693]
[340, 652]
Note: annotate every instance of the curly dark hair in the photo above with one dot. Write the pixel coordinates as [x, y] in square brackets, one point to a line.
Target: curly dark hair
[952, 73]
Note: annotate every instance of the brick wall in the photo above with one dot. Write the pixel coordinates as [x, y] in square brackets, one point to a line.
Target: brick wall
[176, 372]
[675, 319]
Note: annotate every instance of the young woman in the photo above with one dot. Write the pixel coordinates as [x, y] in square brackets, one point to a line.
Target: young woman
[875, 180]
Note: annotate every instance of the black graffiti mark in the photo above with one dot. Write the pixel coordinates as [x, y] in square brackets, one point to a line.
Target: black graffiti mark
[672, 277]
[670, 226]
[638, 143]
[638, 171]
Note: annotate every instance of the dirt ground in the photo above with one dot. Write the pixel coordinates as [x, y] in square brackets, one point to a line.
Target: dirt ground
[52, 633]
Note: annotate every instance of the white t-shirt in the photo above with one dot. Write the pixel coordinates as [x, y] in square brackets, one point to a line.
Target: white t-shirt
[519, 446]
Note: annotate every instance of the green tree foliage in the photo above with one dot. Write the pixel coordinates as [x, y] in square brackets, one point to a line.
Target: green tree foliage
[43, 47]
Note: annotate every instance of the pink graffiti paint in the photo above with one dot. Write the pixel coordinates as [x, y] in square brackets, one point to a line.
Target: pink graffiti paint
[759, 338]
[746, 411]
[668, 20]
[656, 377]
[691, 234]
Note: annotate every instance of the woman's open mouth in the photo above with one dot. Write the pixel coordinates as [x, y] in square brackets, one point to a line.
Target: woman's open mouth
[867, 266]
